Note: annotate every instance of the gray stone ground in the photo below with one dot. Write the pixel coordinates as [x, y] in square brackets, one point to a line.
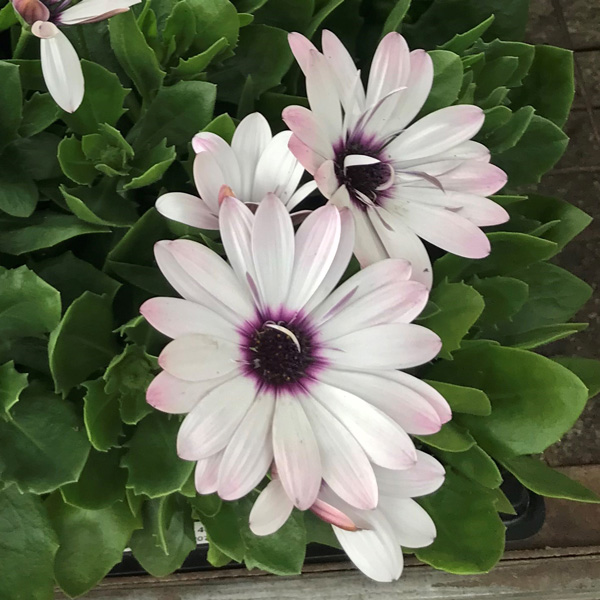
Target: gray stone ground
[575, 24]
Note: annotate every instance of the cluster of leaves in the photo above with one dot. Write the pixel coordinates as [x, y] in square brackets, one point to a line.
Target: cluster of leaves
[87, 468]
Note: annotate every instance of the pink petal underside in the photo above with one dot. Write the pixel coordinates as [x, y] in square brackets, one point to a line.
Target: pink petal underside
[305, 127]
[31, 11]
[332, 515]
[296, 452]
[432, 396]
[206, 474]
[188, 209]
[475, 177]
[389, 69]
[305, 155]
[301, 48]
[271, 509]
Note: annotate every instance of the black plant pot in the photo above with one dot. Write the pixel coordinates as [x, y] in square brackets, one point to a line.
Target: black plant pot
[528, 520]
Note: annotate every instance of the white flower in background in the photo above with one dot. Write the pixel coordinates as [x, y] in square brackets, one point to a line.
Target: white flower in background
[60, 63]
[256, 163]
[402, 182]
[274, 366]
[372, 539]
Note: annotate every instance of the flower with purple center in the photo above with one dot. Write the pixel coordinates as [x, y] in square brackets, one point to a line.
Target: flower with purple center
[402, 182]
[60, 63]
[274, 366]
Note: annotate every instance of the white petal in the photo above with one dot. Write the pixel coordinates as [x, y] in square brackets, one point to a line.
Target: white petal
[89, 11]
[306, 156]
[62, 71]
[205, 141]
[432, 396]
[206, 474]
[300, 194]
[368, 246]
[346, 468]
[209, 179]
[249, 452]
[296, 451]
[198, 357]
[382, 347]
[480, 211]
[308, 130]
[389, 69]
[273, 250]
[271, 509]
[385, 442]
[475, 177]
[326, 179]
[187, 209]
[301, 48]
[211, 424]
[411, 524]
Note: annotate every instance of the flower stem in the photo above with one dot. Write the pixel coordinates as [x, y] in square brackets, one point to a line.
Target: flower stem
[22, 43]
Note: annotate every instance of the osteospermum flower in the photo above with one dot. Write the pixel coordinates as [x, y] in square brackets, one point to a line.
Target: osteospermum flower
[60, 63]
[272, 366]
[256, 163]
[372, 539]
[427, 180]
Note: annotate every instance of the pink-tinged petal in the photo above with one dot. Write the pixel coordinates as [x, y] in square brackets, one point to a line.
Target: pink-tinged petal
[346, 468]
[249, 452]
[305, 127]
[384, 441]
[333, 516]
[271, 509]
[317, 242]
[438, 132]
[300, 194]
[206, 474]
[208, 428]
[361, 285]
[31, 10]
[223, 154]
[273, 251]
[175, 318]
[424, 478]
[339, 264]
[326, 179]
[60, 66]
[91, 11]
[437, 401]
[480, 211]
[382, 347]
[296, 451]
[188, 209]
[209, 179]
[479, 178]
[198, 357]
[374, 551]
[418, 86]
[368, 247]
[406, 407]
[176, 396]
[401, 242]
[389, 69]
[301, 48]
[277, 171]
[447, 230]
[305, 155]
[207, 270]
[411, 524]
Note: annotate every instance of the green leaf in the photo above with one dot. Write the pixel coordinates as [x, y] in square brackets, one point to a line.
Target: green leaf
[510, 252]
[460, 306]
[538, 150]
[475, 464]
[192, 68]
[36, 156]
[177, 113]
[587, 369]
[223, 531]
[502, 503]
[180, 29]
[39, 112]
[463, 399]
[91, 542]
[223, 126]
[28, 546]
[101, 483]
[83, 342]
[497, 49]
[395, 17]
[127, 377]
[551, 97]
[325, 9]
[206, 505]
[167, 537]
[543, 480]
[291, 15]
[11, 100]
[12, 383]
[214, 19]
[542, 335]
[8, 17]
[101, 416]
[494, 117]
[73, 162]
[149, 166]
[135, 56]
[447, 80]
[152, 450]
[503, 297]
[28, 305]
[463, 41]
[452, 437]
[507, 136]
[535, 401]
[318, 531]
[43, 446]
[103, 100]
[18, 192]
[494, 74]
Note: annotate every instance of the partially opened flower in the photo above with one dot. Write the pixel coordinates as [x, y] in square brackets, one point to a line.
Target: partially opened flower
[273, 366]
[427, 180]
[372, 539]
[60, 63]
[256, 163]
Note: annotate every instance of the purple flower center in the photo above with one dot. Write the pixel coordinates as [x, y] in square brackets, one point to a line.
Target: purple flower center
[279, 353]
